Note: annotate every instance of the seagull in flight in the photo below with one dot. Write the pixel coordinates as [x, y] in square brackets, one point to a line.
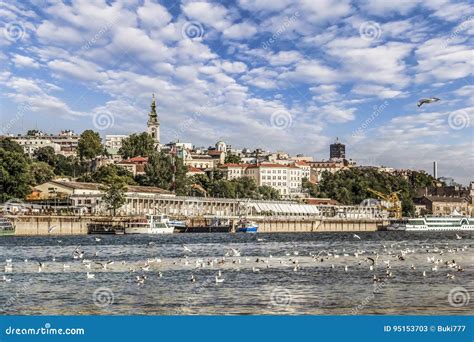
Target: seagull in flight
[356, 236]
[429, 100]
[187, 249]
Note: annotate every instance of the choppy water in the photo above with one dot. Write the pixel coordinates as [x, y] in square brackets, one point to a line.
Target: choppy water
[317, 287]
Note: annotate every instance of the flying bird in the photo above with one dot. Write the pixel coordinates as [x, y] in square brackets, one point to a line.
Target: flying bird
[429, 100]
[356, 236]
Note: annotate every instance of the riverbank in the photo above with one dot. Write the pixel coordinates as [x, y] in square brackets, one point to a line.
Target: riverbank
[37, 225]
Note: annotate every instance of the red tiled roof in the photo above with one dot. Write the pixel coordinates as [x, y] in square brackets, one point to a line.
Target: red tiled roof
[214, 152]
[138, 159]
[272, 165]
[194, 169]
[235, 165]
[301, 162]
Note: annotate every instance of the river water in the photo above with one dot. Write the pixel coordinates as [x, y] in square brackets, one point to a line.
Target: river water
[292, 273]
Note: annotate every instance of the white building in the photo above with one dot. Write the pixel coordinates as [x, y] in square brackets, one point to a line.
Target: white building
[233, 171]
[32, 143]
[114, 140]
[286, 179]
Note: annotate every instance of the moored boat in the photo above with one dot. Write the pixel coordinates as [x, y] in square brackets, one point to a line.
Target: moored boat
[152, 224]
[453, 222]
[245, 226]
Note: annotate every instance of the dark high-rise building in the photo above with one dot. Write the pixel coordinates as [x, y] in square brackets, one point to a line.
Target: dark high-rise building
[337, 150]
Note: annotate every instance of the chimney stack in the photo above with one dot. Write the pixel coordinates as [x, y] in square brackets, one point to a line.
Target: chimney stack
[435, 170]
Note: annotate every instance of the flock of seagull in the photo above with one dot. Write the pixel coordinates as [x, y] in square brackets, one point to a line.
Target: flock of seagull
[438, 258]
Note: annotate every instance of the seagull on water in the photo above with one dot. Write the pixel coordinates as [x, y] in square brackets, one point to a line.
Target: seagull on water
[5, 279]
[219, 278]
[428, 100]
[141, 280]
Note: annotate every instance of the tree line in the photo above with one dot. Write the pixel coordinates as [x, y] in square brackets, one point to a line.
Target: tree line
[351, 186]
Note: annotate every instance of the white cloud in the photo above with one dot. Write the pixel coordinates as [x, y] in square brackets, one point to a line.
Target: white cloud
[214, 15]
[312, 72]
[78, 68]
[337, 114]
[376, 90]
[240, 31]
[443, 59]
[24, 61]
[153, 14]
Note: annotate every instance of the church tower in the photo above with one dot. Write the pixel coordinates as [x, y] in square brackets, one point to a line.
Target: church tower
[153, 124]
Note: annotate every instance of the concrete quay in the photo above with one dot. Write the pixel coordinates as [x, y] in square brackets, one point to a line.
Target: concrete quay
[34, 225]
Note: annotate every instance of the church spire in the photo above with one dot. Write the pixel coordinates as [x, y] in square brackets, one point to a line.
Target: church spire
[153, 124]
[153, 117]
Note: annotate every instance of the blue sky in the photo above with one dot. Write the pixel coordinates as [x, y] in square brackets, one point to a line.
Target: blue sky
[282, 75]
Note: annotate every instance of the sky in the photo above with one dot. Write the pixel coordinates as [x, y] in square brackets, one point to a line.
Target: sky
[289, 75]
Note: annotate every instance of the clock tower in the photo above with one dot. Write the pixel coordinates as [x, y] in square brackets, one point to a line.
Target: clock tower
[153, 124]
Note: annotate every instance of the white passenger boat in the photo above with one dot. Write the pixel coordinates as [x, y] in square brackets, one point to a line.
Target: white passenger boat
[152, 224]
[453, 222]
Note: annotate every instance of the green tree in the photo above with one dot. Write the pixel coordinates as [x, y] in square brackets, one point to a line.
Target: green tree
[69, 166]
[222, 189]
[137, 145]
[89, 145]
[351, 186]
[106, 172]
[245, 187]
[166, 172]
[268, 193]
[114, 193]
[32, 132]
[15, 178]
[231, 158]
[41, 172]
[46, 154]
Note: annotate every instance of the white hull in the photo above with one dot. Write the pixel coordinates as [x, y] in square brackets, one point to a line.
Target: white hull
[452, 223]
[147, 230]
[439, 229]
